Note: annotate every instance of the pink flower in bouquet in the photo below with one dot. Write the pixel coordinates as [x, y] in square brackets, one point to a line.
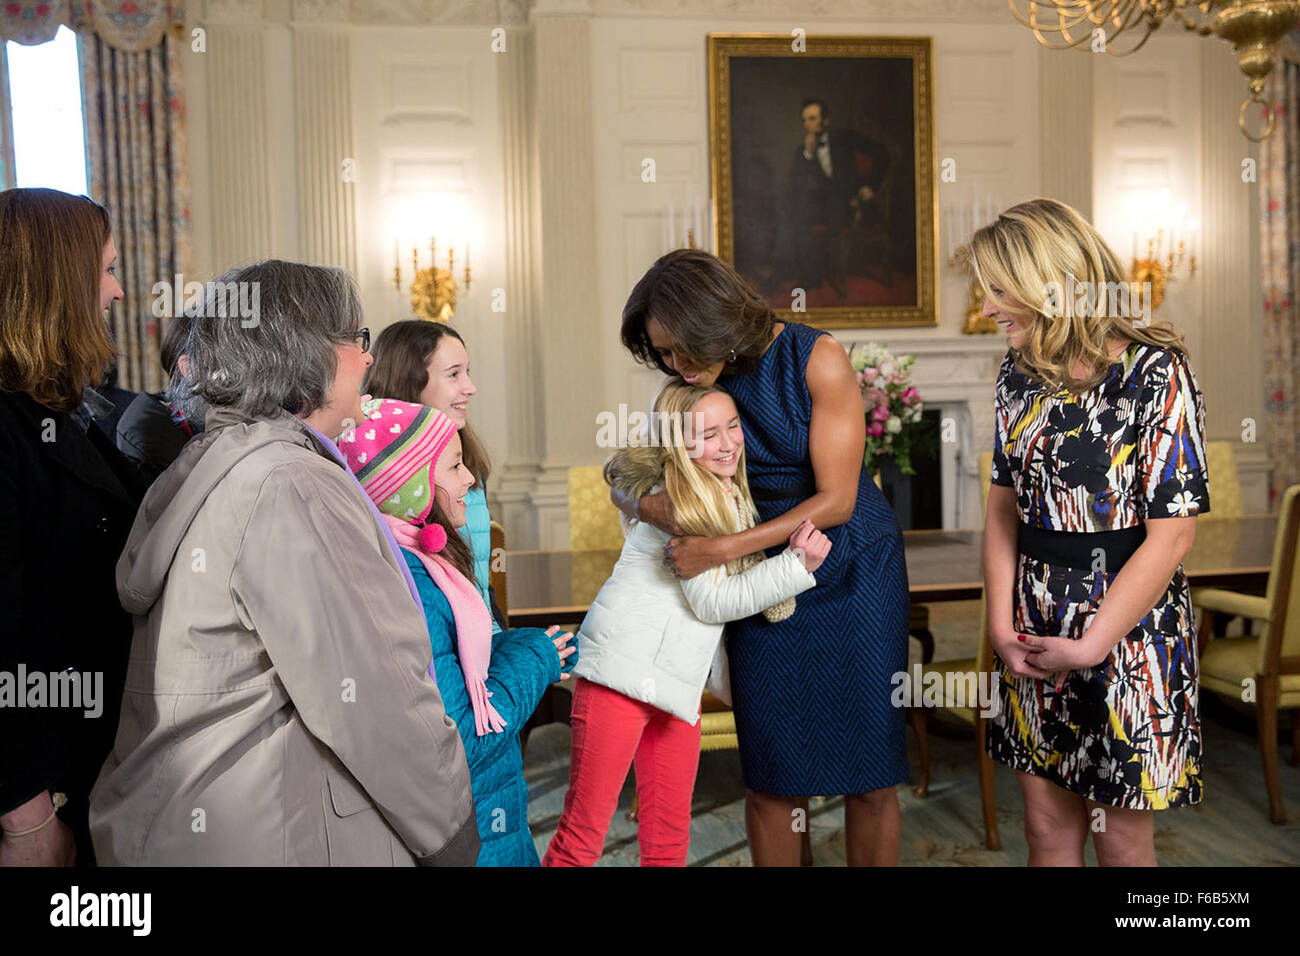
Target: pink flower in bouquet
[910, 395]
[876, 429]
[869, 375]
[880, 414]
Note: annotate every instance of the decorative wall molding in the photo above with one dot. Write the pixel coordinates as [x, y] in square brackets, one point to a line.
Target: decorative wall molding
[658, 78]
[370, 12]
[239, 146]
[1065, 127]
[233, 12]
[320, 11]
[327, 157]
[526, 395]
[423, 92]
[1232, 373]
[518, 12]
[986, 11]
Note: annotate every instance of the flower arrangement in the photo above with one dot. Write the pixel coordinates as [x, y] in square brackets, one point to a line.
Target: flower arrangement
[892, 405]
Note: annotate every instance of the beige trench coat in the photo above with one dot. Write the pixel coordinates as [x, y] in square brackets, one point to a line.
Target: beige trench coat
[278, 707]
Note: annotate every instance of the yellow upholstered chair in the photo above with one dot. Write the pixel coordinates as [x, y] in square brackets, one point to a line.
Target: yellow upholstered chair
[717, 725]
[593, 519]
[497, 578]
[1225, 502]
[1225, 485]
[959, 670]
[1270, 661]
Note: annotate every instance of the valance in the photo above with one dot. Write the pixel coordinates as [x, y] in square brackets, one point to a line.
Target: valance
[131, 25]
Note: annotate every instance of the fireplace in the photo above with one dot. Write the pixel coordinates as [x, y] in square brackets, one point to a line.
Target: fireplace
[955, 376]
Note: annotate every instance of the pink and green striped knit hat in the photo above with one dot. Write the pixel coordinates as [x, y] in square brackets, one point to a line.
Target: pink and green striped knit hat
[393, 452]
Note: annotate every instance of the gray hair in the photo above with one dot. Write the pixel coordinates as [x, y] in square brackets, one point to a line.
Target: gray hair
[264, 338]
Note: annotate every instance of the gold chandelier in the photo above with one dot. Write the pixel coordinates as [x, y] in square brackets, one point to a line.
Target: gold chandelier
[1253, 27]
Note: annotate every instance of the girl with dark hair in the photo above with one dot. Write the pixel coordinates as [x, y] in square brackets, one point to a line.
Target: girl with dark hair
[426, 363]
[811, 693]
[64, 491]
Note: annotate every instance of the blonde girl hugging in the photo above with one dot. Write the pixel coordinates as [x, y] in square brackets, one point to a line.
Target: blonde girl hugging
[648, 643]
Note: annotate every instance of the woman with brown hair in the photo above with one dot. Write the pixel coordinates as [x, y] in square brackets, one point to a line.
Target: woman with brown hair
[426, 363]
[1098, 475]
[811, 692]
[67, 499]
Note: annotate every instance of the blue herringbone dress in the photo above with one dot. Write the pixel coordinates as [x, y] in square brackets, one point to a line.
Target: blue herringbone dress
[812, 693]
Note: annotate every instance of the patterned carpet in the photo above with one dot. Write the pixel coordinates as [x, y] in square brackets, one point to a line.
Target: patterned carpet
[1229, 828]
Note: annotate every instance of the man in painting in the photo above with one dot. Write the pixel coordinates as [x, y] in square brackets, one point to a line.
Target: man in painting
[835, 179]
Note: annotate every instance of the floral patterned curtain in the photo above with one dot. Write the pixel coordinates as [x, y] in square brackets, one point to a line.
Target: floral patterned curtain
[132, 25]
[1279, 211]
[139, 170]
[138, 157]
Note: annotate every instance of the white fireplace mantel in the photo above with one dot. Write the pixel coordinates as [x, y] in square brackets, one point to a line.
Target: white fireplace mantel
[954, 374]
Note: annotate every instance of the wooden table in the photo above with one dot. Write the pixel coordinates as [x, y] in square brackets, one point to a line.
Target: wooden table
[557, 587]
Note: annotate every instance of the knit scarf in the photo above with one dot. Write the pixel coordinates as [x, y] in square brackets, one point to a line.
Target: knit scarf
[744, 521]
[473, 621]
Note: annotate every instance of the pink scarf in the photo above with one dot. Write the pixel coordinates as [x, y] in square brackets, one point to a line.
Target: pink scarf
[473, 621]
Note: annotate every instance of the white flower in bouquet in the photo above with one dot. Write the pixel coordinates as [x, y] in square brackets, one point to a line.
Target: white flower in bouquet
[894, 425]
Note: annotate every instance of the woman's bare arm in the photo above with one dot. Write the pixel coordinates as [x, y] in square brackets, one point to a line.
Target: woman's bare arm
[1136, 589]
[1000, 550]
[837, 439]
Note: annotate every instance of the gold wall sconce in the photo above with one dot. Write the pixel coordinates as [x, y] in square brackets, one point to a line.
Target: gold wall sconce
[1170, 253]
[433, 289]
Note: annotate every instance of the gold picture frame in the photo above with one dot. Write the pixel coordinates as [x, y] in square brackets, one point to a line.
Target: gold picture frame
[875, 254]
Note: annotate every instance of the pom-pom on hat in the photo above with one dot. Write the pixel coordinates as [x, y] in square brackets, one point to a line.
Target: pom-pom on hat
[393, 452]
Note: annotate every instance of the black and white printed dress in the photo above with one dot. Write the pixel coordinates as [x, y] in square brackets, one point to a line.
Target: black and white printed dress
[1127, 732]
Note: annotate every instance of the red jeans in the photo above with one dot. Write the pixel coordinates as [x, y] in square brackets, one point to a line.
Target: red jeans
[610, 730]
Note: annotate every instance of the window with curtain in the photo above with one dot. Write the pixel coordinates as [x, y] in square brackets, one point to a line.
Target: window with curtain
[44, 132]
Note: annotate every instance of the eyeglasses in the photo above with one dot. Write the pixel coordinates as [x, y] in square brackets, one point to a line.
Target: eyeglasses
[363, 335]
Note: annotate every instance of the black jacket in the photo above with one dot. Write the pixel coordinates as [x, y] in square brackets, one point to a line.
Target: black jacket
[856, 161]
[67, 501]
[150, 435]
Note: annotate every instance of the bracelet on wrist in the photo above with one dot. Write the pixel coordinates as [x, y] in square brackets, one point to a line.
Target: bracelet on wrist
[58, 799]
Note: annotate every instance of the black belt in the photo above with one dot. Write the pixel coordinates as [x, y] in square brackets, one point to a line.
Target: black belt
[803, 490]
[1080, 549]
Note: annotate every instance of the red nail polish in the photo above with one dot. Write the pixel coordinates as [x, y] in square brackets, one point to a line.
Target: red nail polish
[1021, 636]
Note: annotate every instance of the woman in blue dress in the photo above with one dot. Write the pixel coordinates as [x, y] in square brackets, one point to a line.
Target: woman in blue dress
[811, 693]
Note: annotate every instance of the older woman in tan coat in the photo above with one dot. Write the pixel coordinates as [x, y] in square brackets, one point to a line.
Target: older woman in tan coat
[278, 706]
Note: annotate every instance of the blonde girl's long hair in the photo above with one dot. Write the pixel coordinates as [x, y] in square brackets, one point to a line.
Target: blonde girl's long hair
[1043, 245]
[701, 505]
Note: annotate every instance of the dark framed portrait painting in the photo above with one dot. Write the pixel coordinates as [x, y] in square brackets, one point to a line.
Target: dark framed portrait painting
[823, 175]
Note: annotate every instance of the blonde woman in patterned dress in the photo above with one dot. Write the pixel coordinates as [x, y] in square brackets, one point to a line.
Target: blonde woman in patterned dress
[1098, 476]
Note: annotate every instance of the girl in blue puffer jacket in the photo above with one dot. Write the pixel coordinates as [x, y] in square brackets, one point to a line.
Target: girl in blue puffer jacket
[408, 459]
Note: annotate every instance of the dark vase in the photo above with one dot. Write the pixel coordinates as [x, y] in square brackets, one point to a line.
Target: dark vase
[897, 488]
